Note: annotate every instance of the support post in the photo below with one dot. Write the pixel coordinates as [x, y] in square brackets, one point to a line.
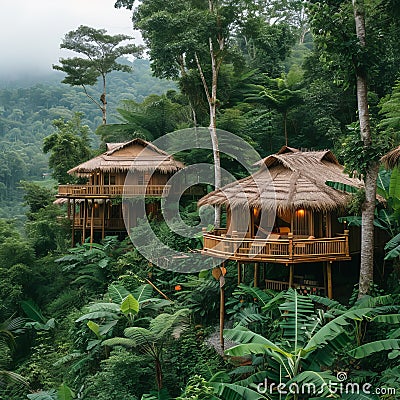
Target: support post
[222, 310]
[85, 209]
[347, 249]
[290, 237]
[255, 274]
[291, 273]
[103, 219]
[329, 277]
[239, 272]
[73, 224]
[91, 224]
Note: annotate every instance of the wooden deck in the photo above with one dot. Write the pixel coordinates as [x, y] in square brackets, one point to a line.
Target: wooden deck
[88, 191]
[285, 251]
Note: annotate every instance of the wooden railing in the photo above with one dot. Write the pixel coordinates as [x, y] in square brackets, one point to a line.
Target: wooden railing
[290, 250]
[110, 223]
[112, 190]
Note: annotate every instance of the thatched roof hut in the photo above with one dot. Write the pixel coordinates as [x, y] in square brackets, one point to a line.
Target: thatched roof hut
[289, 180]
[391, 159]
[137, 154]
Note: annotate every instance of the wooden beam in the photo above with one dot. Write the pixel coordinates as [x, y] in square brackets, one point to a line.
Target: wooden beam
[239, 272]
[329, 277]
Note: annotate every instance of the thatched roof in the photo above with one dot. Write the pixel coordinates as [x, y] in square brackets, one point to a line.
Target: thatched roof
[136, 154]
[288, 180]
[391, 159]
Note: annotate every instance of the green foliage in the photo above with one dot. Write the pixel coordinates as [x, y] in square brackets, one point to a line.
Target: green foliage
[357, 156]
[197, 388]
[122, 376]
[155, 116]
[68, 147]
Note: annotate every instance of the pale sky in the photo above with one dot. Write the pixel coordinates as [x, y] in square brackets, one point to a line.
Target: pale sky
[31, 30]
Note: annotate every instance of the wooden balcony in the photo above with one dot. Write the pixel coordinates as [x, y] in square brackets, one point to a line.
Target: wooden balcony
[290, 250]
[90, 191]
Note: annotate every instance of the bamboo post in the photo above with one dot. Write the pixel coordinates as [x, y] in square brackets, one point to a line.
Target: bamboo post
[103, 220]
[290, 237]
[329, 277]
[91, 224]
[347, 249]
[73, 224]
[255, 274]
[291, 274]
[222, 313]
[85, 206]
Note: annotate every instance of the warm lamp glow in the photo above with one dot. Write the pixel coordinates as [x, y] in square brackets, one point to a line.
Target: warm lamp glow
[256, 212]
[300, 212]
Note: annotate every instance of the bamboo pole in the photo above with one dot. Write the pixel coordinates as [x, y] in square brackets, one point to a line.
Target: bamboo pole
[222, 313]
[329, 276]
[256, 275]
[85, 206]
[73, 224]
[291, 273]
[91, 224]
[103, 220]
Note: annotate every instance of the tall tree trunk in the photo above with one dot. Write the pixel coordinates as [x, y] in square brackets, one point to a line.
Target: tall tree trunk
[367, 227]
[212, 104]
[104, 102]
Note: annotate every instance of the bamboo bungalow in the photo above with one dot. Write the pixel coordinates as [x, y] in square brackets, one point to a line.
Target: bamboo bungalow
[285, 213]
[96, 206]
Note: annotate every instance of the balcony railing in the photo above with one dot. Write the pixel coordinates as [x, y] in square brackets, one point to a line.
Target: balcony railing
[109, 223]
[112, 190]
[287, 251]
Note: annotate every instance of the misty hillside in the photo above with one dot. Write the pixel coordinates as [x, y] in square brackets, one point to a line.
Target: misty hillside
[28, 107]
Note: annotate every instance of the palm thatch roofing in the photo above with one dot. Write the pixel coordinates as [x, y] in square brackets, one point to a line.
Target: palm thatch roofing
[289, 180]
[391, 159]
[137, 154]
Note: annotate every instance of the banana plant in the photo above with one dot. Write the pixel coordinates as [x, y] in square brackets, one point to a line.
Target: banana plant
[152, 340]
[8, 330]
[121, 304]
[310, 339]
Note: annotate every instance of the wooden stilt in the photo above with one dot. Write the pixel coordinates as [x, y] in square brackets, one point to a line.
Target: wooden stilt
[85, 207]
[239, 272]
[69, 209]
[221, 307]
[255, 274]
[329, 276]
[103, 219]
[222, 316]
[324, 269]
[73, 224]
[291, 273]
[91, 224]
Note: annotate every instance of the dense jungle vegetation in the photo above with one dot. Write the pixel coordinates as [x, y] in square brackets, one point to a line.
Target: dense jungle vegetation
[101, 322]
